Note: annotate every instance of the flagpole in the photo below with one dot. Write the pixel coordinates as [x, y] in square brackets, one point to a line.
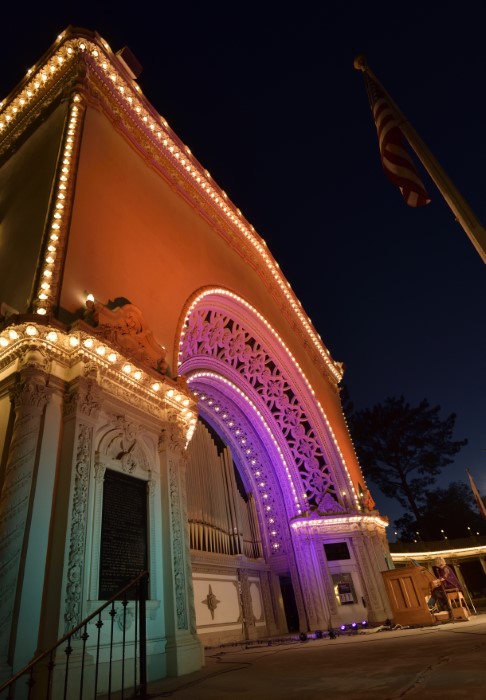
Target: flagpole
[456, 202]
[477, 495]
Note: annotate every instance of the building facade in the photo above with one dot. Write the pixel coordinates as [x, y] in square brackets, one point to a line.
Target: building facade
[165, 402]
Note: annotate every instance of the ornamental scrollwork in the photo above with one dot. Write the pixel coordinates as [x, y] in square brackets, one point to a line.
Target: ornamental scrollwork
[85, 399]
[178, 547]
[31, 393]
[75, 573]
[218, 335]
[172, 436]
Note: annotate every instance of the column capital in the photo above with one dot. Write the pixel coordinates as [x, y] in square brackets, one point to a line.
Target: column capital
[85, 397]
[30, 394]
[172, 436]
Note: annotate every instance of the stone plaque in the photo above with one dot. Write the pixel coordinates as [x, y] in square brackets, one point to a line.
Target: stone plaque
[123, 552]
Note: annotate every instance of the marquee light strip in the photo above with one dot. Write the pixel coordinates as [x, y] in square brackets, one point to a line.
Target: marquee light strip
[345, 520]
[49, 277]
[81, 346]
[158, 129]
[460, 551]
[222, 380]
[256, 466]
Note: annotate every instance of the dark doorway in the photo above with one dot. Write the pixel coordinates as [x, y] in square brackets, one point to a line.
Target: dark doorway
[290, 606]
[123, 552]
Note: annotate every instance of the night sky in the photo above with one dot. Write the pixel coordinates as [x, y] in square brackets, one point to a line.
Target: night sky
[269, 102]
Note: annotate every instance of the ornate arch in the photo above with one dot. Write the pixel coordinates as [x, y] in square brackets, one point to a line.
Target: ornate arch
[228, 344]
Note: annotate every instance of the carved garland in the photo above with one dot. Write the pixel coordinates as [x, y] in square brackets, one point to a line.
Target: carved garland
[174, 442]
[72, 615]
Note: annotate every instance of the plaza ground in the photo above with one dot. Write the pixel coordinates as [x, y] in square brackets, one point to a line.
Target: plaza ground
[444, 661]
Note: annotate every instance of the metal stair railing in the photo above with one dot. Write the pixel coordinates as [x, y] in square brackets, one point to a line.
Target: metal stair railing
[39, 673]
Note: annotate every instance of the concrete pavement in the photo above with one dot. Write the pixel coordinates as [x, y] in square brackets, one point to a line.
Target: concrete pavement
[444, 661]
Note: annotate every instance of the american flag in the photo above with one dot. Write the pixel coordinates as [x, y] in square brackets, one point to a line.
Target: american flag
[395, 158]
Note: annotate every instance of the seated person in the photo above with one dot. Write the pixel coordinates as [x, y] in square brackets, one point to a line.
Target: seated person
[446, 581]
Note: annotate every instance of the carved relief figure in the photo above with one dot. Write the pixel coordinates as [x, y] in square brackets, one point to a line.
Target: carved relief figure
[123, 324]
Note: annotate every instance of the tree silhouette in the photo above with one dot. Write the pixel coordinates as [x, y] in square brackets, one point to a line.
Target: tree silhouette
[448, 512]
[403, 449]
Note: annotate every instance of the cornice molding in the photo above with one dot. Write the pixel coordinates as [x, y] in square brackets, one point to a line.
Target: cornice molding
[77, 353]
[108, 82]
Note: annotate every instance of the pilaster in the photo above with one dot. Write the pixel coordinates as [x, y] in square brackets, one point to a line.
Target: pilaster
[184, 650]
[29, 398]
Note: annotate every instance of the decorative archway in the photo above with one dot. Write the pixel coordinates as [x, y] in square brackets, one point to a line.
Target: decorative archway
[253, 392]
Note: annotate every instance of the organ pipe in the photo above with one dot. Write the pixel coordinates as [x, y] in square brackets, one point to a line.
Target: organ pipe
[221, 519]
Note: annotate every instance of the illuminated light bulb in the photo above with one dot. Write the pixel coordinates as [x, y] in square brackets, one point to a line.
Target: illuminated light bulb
[101, 350]
[156, 386]
[49, 260]
[274, 532]
[13, 335]
[47, 273]
[31, 330]
[41, 311]
[52, 336]
[127, 368]
[137, 374]
[178, 397]
[112, 357]
[73, 341]
[88, 343]
[90, 298]
[3, 342]
[185, 402]
[43, 296]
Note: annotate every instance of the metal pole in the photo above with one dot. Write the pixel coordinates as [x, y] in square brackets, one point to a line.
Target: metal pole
[456, 202]
[143, 638]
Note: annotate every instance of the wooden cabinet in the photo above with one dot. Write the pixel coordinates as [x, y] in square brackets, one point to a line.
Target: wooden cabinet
[408, 590]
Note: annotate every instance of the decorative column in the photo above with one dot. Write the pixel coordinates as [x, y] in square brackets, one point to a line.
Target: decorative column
[312, 609]
[269, 603]
[184, 651]
[29, 399]
[81, 411]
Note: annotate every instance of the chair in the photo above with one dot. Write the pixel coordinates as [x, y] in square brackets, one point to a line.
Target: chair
[457, 602]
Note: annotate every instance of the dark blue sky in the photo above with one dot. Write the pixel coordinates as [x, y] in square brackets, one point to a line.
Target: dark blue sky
[269, 102]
